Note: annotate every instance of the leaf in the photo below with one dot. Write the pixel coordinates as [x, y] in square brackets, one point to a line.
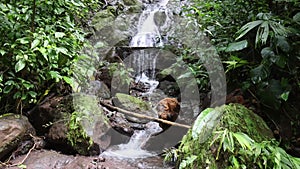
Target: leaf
[248, 27]
[282, 43]
[237, 46]
[267, 52]
[59, 34]
[259, 73]
[35, 43]
[7, 89]
[22, 166]
[262, 33]
[62, 50]
[284, 96]
[20, 65]
[32, 94]
[24, 40]
[68, 80]
[2, 52]
[244, 140]
[205, 123]
[296, 18]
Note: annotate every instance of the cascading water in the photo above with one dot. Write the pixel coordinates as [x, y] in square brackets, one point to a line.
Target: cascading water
[133, 149]
[144, 62]
[148, 37]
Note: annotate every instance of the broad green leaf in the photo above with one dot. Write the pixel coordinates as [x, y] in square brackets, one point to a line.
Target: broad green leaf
[44, 53]
[59, 34]
[244, 140]
[17, 95]
[54, 74]
[68, 80]
[259, 73]
[262, 33]
[296, 18]
[32, 94]
[2, 52]
[248, 27]
[7, 89]
[236, 46]
[282, 43]
[35, 43]
[284, 96]
[62, 50]
[206, 122]
[278, 29]
[24, 40]
[20, 65]
[267, 52]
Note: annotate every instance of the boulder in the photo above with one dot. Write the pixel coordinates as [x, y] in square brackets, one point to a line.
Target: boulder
[13, 130]
[199, 147]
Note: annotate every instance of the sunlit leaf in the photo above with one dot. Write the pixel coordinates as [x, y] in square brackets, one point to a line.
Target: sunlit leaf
[248, 27]
[59, 34]
[35, 43]
[262, 33]
[236, 46]
[2, 52]
[20, 65]
[244, 140]
[284, 96]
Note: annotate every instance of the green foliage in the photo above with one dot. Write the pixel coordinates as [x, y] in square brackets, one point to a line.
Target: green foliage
[213, 126]
[244, 152]
[222, 19]
[40, 41]
[76, 133]
[268, 26]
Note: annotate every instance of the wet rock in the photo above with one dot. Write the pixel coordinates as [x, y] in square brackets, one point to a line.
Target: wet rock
[13, 130]
[98, 89]
[131, 2]
[44, 159]
[103, 18]
[136, 105]
[52, 109]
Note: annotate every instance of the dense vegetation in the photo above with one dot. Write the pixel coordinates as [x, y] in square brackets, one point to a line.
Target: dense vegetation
[258, 42]
[39, 42]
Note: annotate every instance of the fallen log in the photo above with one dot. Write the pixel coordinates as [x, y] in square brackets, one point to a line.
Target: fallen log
[143, 116]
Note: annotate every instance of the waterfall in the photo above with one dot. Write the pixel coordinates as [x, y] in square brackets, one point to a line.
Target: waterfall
[144, 45]
[148, 38]
[133, 149]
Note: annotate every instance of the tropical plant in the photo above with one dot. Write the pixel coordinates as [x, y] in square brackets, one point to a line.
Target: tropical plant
[39, 43]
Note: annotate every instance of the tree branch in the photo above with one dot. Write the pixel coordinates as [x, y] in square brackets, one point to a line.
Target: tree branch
[143, 116]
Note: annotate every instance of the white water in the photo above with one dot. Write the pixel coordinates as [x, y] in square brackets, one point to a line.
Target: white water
[144, 60]
[133, 149]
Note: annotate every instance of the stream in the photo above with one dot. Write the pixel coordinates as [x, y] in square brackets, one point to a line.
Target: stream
[147, 40]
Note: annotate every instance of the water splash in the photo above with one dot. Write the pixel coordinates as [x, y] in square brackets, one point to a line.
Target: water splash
[133, 149]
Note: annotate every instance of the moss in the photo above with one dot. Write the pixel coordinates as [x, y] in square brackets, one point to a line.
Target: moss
[77, 136]
[234, 117]
[132, 102]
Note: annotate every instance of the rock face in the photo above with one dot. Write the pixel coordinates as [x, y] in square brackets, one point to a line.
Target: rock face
[13, 130]
[200, 141]
[45, 159]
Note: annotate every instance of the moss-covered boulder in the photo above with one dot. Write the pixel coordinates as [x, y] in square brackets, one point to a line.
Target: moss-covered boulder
[201, 146]
[136, 105]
